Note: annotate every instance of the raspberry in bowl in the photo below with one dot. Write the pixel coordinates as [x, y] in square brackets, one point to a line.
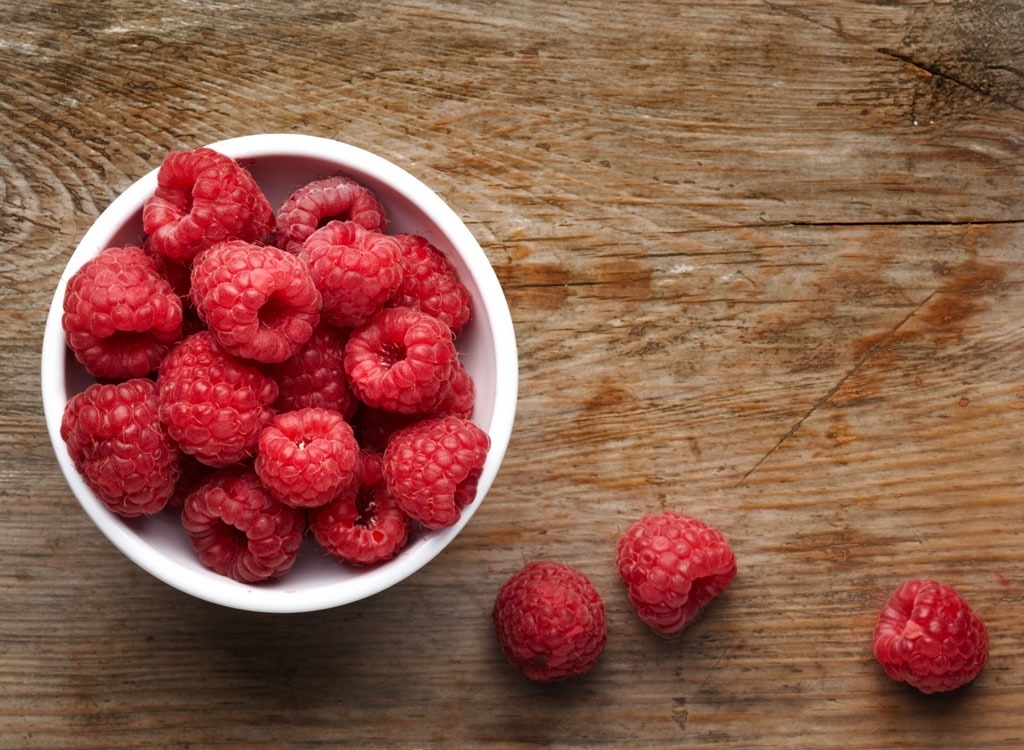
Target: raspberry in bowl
[212, 319]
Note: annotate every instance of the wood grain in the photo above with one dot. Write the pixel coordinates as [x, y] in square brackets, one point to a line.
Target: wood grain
[764, 262]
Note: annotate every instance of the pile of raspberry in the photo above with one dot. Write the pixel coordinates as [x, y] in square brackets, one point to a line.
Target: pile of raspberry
[273, 375]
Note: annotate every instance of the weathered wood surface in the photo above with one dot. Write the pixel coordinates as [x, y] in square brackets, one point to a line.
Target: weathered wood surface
[764, 261]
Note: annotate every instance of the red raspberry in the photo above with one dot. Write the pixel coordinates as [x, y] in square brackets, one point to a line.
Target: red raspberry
[315, 375]
[356, 271]
[119, 446]
[402, 361]
[929, 637]
[673, 566]
[120, 315]
[239, 530]
[214, 405]
[364, 524]
[307, 457]
[550, 622]
[203, 197]
[432, 468]
[430, 283]
[314, 205]
[459, 395]
[259, 301]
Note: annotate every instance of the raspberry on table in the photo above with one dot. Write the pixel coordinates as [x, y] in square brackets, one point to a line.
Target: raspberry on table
[430, 283]
[401, 361]
[928, 636]
[356, 270]
[239, 529]
[215, 405]
[121, 316]
[315, 375]
[432, 468]
[203, 197]
[364, 524]
[119, 446]
[259, 301]
[313, 205]
[550, 622]
[673, 566]
[307, 457]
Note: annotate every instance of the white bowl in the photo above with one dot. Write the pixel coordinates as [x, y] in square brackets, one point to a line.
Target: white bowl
[280, 163]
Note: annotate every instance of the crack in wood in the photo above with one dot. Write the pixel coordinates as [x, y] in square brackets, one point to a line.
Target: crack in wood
[937, 72]
[931, 70]
[857, 366]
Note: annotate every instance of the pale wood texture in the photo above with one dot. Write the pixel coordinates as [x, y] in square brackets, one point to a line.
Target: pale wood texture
[764, 262]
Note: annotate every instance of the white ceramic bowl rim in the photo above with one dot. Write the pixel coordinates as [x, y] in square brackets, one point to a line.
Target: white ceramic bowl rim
[490, 308]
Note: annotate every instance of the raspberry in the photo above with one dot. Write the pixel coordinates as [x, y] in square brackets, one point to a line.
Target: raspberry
[402, 361]
[364, 524]
[259, 301]
[929, 637]
[307, 457]
[214, 405]
[430, 283]
[432, 468]
[120, 315]
[673, 566]
[203, 197]
[239, 530]
[315, 375]
[458, 397]
[117, 443]
[356, 271]
[314, 205]
[550, 622]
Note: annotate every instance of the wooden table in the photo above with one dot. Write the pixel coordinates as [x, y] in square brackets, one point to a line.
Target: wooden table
[764, 262]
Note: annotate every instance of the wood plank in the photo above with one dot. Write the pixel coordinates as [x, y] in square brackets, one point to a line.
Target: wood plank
[764, 262]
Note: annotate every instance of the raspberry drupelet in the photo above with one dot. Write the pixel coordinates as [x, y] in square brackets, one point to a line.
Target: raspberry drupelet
[118, 444]
[121, 316]
[673, 566]
[260, 302]
[928, 636]
[550, 622]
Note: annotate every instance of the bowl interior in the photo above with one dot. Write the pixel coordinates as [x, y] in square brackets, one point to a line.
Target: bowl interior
[280, 164]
